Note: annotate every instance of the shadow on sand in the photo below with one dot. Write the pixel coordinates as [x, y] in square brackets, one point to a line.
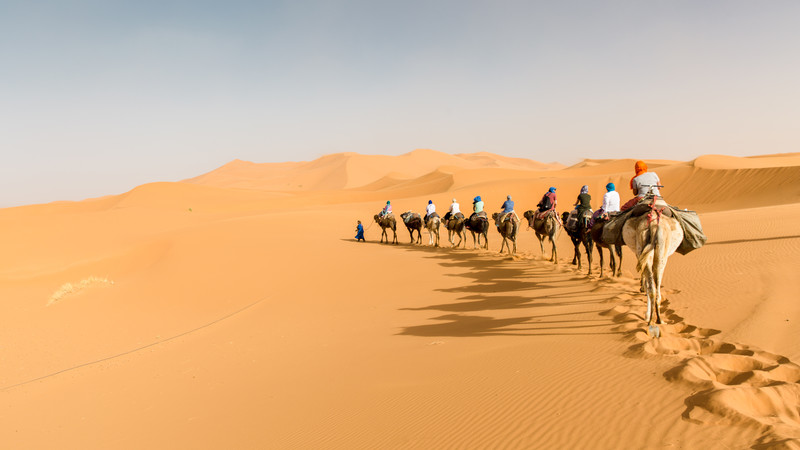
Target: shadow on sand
[554, 301]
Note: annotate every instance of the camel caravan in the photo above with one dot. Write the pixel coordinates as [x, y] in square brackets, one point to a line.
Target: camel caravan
[646, 224]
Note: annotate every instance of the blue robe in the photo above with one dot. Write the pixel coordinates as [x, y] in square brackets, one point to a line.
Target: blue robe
[360, 232]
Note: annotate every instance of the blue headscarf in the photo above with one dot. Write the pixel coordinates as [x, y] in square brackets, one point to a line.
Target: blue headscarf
[430, 202]
[552, 189]
[610, 187]
[477, 199]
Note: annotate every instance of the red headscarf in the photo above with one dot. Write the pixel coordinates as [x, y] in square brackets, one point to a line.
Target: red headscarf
[640, 167]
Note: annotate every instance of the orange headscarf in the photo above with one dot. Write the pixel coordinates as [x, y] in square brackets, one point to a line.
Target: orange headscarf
[640, 167]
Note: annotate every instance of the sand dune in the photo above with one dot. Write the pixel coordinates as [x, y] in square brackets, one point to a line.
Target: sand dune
[349, 170]
[234, 310]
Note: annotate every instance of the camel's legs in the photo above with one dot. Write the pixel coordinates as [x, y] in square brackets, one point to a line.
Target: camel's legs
[600, 250]
[651, 290]
[658, 273]
[587, 243]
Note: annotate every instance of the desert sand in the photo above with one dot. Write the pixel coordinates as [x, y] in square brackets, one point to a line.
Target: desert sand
[235, 310]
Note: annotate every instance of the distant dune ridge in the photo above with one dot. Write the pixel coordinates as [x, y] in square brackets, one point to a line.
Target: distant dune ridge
[705, 183]
[351, 170]
[235, 310]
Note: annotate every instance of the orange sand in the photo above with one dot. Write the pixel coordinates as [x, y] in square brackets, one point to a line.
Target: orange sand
[234, 310]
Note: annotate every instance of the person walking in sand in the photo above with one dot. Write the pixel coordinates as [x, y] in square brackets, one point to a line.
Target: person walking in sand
[360, 232]
[643, 183]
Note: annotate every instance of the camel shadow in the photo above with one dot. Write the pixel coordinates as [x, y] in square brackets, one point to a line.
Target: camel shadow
[497, 283]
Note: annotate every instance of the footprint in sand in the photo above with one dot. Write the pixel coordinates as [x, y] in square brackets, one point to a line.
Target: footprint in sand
[736, 384]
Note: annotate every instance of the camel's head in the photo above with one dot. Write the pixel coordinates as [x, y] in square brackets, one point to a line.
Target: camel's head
[564, 216]
[530, 216]
[494, 216]
[377, 218]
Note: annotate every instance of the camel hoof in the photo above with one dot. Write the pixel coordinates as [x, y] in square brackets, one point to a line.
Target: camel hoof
[654, 331]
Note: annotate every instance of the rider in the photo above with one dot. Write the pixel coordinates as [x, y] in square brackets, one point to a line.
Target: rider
[430, 209]
[454, 209]
[642, 183]
[477, 206]
[610, 199]
[584, 202]
[548, 203]
[610, 204]
[386, 209]
[508, 208]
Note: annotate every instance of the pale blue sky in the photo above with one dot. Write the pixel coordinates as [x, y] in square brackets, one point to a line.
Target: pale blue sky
[97, 97]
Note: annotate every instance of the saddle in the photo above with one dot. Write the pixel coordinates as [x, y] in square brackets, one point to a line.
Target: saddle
[506, 217]
[646, 204]
[693, 236]
[478, 216]
[573, 220]
[541, 215]
[410, 218]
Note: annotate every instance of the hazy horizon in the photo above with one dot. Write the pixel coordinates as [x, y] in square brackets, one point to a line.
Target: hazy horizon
[101, 96]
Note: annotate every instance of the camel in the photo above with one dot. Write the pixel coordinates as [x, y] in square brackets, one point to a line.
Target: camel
[455, 225]
[433, 228]
[478, 225]
[508, 229]
[597, 236]
[385, 222]
[545, 227]
[653, 237]
[580, 236]
[413, 222]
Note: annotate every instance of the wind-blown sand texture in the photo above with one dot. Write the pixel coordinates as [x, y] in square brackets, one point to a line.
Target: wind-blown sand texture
[235, 310]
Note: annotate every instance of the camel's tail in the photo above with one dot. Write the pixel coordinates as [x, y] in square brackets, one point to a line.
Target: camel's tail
[649, 252]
